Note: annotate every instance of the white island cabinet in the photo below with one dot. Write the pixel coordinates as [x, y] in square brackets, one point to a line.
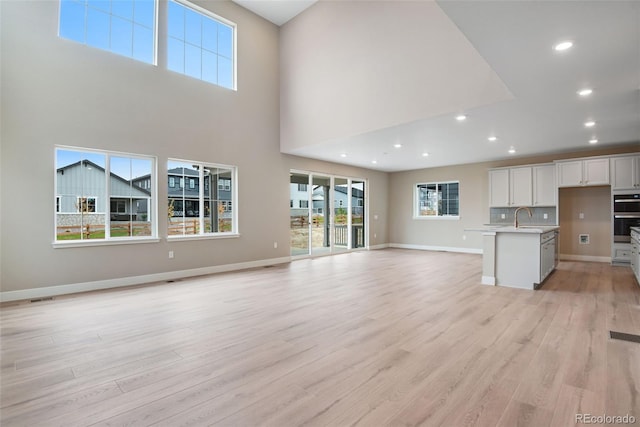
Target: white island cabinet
[520, 257]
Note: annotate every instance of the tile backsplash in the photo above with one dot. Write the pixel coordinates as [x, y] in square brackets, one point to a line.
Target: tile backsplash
[537, 217]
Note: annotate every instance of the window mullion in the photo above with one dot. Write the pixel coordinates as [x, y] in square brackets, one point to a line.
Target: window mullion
[107, 201]
[201, 198]
[349, 223]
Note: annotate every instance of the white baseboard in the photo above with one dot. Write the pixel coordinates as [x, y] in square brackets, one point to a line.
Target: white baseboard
[381, 246]
[588, 258]
[436, 248]
[51, 291]
[488, 280]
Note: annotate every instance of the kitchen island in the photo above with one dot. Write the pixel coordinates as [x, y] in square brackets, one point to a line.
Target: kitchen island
[519, 257]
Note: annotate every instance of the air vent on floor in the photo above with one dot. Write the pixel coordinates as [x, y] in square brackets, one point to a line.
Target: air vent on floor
[624, 337]
[42, 299]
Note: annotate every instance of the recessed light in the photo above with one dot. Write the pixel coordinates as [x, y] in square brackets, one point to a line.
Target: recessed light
[590, 124]
[563, 46]
[593, 141]
[492, 138]
[343, 155]
[425, 154]
[397, 145]
[585, 92]
[461, 117]
[512, 150]
[374, 161]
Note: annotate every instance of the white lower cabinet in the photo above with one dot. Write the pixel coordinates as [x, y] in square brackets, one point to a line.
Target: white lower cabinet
[524, 259]
[547, 255]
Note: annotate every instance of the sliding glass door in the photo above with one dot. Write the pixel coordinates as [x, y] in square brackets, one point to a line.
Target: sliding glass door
[320, 215]
[327, 214]
[299, 216]
[340, 215]
[357, 221]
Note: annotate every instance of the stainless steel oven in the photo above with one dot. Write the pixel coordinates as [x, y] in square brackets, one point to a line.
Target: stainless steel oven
[626, 214]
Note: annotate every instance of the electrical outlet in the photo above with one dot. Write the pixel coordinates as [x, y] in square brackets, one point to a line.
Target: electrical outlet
[545, 216]
[275, 245]
[503, 216]
[464, 237]
[581, 216]
[170, 254]
[375, 235]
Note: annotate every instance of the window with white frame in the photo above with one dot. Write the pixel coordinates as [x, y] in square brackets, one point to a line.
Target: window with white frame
[202, 210]
[200, 44]
[125, 27]
[437, 200]
[97, 197]
[86, 204]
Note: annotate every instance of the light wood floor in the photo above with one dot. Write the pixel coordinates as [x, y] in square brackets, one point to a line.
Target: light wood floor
[389, 337]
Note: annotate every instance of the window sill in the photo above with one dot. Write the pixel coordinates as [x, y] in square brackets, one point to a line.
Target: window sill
[203, 237]
[111, 242]
[431, 218]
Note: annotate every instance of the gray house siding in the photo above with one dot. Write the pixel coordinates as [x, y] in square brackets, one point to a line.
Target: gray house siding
[185, 192]
[80, 191]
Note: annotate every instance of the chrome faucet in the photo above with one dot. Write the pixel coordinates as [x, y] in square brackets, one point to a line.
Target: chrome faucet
[515, 222]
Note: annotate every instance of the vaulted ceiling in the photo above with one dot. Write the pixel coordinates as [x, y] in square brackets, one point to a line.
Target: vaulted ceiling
[494, 62]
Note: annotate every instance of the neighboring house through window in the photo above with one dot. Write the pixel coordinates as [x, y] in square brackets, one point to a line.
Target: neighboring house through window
[86, 204]
[437, 200]
[98, 196]
[206, 210]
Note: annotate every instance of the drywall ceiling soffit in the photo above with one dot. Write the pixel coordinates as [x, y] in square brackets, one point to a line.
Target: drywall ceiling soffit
[515, 39]
[350, 68]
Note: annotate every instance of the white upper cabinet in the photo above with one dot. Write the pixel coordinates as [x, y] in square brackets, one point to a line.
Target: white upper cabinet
[596, 172]
[520, 186]
[544, 185]
[579, 173]
[499, 188]
[625, 173]
[570, 174]
[533, 185]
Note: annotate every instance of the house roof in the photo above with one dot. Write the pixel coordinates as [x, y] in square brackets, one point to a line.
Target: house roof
[113, 175]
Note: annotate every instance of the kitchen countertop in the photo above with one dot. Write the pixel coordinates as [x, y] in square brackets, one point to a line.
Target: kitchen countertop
[530, 229]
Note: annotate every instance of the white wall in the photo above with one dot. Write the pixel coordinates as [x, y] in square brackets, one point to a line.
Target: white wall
[55, 91]
[345, 71]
